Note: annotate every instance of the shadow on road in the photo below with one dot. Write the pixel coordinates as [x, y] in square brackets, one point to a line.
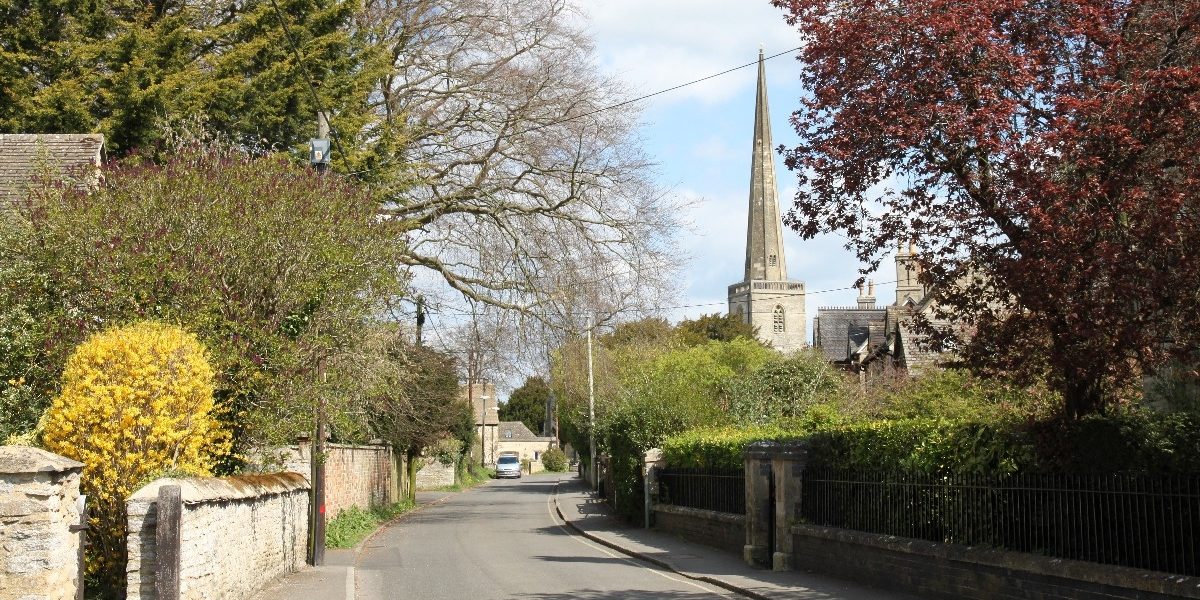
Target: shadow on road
[539, 486]
[602, 560]
[621, 595]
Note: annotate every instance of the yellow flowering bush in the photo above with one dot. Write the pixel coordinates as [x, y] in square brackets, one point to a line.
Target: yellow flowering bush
[136, 400]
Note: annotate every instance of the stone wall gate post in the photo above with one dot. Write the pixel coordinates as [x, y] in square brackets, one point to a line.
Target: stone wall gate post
[787, 465]
[759, 503]
[652, 461]
[167, 542]
[39, 506]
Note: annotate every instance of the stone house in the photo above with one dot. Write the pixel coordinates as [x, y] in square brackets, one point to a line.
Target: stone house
[73, 158]
[516, 437]
[481, 396]
[878, 337]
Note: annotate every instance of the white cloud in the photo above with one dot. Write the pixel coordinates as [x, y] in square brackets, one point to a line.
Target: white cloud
[656, 44]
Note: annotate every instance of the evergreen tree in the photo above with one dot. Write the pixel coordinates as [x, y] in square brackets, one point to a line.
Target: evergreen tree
[527, 404]
[132, 70]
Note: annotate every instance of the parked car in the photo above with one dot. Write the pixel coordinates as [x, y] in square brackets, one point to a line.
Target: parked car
[508, 465]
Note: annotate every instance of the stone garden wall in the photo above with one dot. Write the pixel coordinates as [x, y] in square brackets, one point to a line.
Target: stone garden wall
[38, 550]
[238, 534]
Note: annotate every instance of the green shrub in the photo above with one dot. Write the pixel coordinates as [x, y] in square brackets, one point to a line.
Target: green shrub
[924, 445]
[720, 447]
[785, 388]
[554, 460]
[955, 394]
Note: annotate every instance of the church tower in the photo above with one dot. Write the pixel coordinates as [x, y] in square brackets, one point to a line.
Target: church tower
[766, 297]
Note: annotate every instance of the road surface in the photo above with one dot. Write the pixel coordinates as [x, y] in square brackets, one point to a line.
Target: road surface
[503, 540]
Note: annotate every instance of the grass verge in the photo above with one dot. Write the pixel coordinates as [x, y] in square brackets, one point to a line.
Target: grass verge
[354, 523]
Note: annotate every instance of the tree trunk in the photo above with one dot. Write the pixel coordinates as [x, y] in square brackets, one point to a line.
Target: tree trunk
[1082, 394]
[413, 457]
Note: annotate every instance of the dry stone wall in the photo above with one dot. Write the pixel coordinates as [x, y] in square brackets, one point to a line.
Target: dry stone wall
[433, 474]
[38, 550]
[238, 534]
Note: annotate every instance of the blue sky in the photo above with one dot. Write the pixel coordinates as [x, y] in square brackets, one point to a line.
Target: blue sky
[700, 136]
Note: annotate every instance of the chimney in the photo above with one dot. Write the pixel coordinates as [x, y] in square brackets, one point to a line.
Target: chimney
[866, 299]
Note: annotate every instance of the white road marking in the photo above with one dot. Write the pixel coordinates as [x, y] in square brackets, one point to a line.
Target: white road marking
[653, 569]
[349, 583]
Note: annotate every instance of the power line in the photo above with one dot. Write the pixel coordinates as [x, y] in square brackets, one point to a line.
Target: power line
[664, 308]
[603, 108]
[287, 31]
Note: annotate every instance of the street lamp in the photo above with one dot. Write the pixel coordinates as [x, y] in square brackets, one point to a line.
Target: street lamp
[483, 411]
[591, 408]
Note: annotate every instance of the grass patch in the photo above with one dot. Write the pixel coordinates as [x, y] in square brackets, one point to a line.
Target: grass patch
[354, 523]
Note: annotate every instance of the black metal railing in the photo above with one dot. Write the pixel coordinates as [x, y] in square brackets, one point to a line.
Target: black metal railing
[707, 489]
[1143, 521]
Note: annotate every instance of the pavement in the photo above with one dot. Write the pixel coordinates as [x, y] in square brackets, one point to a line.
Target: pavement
[582, 511]
[334, 580]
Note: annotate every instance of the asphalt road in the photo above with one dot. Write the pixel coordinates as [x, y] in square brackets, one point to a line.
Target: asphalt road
[503, 540]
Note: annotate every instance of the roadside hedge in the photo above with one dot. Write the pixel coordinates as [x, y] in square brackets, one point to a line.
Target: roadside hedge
[1131, 441]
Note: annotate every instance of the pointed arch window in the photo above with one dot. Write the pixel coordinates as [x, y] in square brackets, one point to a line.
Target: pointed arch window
[773, 260]
[777, 320]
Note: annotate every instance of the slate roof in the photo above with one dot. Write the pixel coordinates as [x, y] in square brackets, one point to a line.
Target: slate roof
[840, 331]
[520, 433]
[23, 155]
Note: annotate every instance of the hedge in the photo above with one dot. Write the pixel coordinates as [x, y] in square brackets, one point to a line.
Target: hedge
[1136, 441]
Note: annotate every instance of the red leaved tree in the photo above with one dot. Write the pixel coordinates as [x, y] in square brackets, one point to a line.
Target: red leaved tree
[1041, 154]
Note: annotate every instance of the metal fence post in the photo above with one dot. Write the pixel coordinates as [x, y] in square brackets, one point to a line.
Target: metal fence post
[166, 542]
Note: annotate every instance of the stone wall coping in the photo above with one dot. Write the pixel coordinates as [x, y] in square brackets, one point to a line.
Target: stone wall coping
[195, 490]
[772, 449]
[701, 513]
[1114, 575]
[26, 459]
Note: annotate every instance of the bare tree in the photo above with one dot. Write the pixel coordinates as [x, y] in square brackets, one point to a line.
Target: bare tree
[503, 156]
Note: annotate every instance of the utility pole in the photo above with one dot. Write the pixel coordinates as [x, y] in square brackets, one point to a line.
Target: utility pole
[319, 158]
[420, 318]
[318, 151]
[591, 407]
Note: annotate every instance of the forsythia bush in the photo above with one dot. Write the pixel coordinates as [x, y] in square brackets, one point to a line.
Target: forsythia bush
[135, 401]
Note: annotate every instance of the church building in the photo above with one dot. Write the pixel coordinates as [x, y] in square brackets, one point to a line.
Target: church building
[766, 298]
[854, 337]
[881, 337]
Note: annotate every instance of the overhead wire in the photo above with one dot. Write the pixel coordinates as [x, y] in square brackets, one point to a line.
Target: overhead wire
[459, 313]
[287, 31]
[611, 106]
[342, 154]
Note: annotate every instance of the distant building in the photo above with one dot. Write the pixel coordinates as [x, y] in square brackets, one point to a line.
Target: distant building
[766, 298]
[481, 395]
[516, 437]
[880, 337]
[71, 158]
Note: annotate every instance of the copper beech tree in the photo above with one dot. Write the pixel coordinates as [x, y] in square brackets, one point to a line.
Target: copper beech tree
[1040, 154]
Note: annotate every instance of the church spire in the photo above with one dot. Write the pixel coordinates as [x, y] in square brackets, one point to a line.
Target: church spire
[764, 229]
[766, 298]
